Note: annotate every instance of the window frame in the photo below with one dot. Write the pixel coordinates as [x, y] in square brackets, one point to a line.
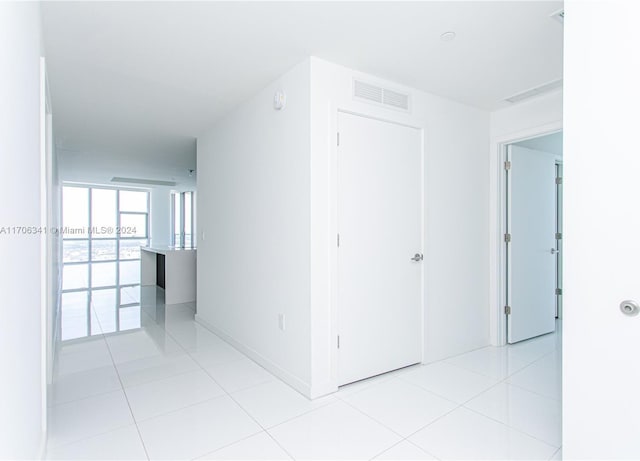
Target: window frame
[89, 289]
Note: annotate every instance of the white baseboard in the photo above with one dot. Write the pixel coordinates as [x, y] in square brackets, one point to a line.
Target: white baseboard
[293, 381]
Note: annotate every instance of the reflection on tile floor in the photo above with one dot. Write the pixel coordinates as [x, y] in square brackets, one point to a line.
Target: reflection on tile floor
[163, 387]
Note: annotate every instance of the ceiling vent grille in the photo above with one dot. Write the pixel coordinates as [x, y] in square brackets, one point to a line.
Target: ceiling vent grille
[380, 95]
[146, 182]
[558, 15]
[535, 91]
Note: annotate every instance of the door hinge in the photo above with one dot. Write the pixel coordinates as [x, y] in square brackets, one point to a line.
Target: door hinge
[338, 341]
[558, 291]
[507, 310]
[507, 238]
[558, 235]
[558, 180]
[338, 138]
[507, 165]
[338, 239]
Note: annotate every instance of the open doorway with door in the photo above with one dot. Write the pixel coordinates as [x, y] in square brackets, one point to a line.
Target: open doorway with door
[533, 236]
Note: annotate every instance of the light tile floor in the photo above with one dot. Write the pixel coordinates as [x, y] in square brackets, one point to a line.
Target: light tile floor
[171, 389]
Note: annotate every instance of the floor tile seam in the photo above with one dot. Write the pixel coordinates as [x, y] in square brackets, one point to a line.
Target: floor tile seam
[342, 397]
[521, 388]
[163, 378]
[246, 411]
[192, 352]
[228, 445]
[555, 453]
[176, 410]
[454, 401]
[126, 397]
[398, 443]
[214, 364]
[535, 392]
[200, 455]
[409, 383]
[376, 421]
[306, 412]
[408, 437]
[175, 339]
[83, 439]
[538, 358]
[459, 368]
[532, 363]
[86, 397]
[521, 431]
[486, 375]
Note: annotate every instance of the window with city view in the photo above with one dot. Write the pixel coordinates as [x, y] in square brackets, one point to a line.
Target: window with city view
[102, 229]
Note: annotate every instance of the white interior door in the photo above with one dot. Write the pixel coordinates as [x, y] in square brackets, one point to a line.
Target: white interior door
[601, 373]
[531, 252]
[380, 227]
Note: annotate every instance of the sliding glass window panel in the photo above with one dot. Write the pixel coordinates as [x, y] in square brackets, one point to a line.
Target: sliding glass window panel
[75, 212]
[75, 251]
[75, 276]
[134, 201]
[130, 249]
[103, 250]
[129, 272]
[74, 311]
[103, 274]
[133, 225]
[103, 213]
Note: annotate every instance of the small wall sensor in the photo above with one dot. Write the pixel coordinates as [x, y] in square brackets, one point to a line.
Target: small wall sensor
[448, 36]
[279, 100]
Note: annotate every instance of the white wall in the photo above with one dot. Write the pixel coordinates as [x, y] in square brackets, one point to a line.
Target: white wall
[21, 398]
[253, 225]
[539, 115]
[160, 216]
[265, 212]
[519, 118]
[456, 224]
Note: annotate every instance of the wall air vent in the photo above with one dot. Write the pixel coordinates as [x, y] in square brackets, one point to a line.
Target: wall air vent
[558, 15]
[146, 182]
[366, 91]
[382, 96]
[535, 91]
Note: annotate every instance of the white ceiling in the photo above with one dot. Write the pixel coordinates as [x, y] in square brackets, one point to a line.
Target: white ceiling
[146, 78]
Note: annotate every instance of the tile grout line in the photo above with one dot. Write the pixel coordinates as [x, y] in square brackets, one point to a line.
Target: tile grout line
[126, 397]
[512, 427]
[228, 394]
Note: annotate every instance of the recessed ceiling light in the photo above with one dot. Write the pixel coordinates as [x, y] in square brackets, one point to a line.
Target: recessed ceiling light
[448, 36]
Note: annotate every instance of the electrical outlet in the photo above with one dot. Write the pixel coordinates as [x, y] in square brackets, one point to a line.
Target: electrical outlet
[281, 322]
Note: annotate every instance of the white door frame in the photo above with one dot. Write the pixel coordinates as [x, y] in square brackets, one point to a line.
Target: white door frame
[333, 229]
[498, 225]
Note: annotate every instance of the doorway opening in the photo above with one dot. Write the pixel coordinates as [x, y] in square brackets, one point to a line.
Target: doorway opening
[532, 236]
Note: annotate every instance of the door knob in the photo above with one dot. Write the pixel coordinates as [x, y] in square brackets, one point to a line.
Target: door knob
[417, 257]
[554, 251]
